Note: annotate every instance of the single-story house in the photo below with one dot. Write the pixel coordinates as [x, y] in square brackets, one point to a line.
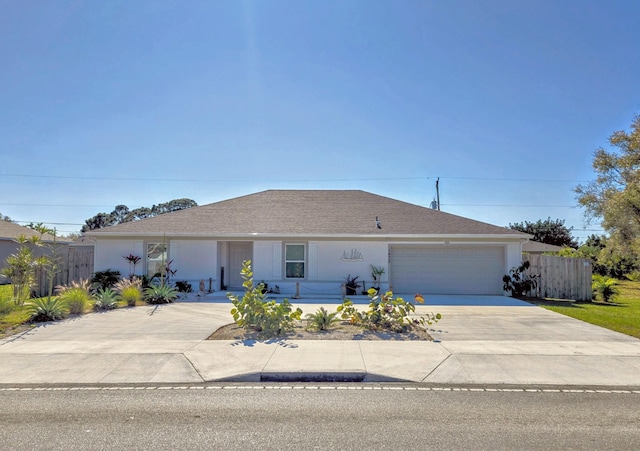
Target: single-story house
[10, 231]
[315, 239]
[537, 248]
[311, 240]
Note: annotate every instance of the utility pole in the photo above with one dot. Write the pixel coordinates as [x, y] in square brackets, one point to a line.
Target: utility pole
[438, 192]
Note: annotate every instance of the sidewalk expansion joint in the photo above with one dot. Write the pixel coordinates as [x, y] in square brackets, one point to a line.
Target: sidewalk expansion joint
[358, 387]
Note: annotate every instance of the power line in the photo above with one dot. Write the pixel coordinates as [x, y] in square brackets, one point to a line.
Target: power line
[60, 205]
[350, 179]
[510, 205]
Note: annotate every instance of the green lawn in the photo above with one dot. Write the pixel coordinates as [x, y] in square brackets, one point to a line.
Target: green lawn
[12, 318]
[621, 315]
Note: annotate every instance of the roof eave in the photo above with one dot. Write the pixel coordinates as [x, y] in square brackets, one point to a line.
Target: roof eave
[257, 235]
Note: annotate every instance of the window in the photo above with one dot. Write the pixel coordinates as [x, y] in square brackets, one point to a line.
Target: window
[294, 261]
[156, 258]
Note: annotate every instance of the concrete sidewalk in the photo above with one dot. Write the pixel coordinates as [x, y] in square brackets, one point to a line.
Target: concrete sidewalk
[485, 341]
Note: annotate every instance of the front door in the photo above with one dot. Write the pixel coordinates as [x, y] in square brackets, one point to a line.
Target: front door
[239, 251]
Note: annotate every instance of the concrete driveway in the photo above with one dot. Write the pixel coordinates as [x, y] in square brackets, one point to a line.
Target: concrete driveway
[480, 340]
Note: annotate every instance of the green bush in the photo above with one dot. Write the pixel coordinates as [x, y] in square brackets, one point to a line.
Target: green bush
[105, 279]
[386, 312]
[160, 294]
[6, 305]
[604, 288]
[106, 299]
[76, 296]
[518, 282]
[253, 312]
[20, 268]
[130, 290]
[321, 319]
[183, 286]
[47, 309]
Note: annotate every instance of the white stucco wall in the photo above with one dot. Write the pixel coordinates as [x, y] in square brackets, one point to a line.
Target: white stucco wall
[109, 254]
[326, 266]
[514, 256]
[194, 260]
[326, 270]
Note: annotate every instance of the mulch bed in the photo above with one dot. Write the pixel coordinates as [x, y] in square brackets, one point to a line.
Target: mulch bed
[340, 331]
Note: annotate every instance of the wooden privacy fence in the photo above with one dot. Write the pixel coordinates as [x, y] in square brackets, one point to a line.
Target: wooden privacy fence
[560, 277]
[76, 263]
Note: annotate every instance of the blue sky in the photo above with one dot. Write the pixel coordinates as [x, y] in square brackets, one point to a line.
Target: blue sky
[137, 103]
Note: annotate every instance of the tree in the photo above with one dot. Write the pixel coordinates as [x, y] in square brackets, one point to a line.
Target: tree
[5, 218]
[614, 196]
[549, 231]
[122, 214]
[21, 267]
[604, 255]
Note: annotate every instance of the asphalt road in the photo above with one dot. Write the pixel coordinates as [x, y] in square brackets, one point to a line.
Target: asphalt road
[340, 417]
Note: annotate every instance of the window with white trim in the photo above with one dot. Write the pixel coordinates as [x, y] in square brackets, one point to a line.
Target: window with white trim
[294, 261]
[156, 259]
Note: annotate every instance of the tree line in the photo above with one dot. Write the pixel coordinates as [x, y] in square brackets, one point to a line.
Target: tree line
[122, 213]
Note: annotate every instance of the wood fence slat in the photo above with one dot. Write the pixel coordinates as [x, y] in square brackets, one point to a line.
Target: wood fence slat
[76, 264]
[560, 277]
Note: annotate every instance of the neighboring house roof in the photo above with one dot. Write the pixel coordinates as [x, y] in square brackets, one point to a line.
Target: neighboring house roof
[11, 230]
[535, 247]
[308, 213]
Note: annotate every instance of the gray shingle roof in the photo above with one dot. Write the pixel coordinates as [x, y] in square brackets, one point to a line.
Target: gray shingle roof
[10, 231]
[309, 213]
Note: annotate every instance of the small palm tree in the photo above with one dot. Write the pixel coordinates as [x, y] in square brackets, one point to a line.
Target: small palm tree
[321, 319]
[604, 287]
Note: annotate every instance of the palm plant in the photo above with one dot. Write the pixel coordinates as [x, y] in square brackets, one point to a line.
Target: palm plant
[604, 287]
[321, 319]
[20, 268]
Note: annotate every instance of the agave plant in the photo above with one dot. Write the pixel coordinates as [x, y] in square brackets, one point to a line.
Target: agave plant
[47, 309]
[160, 294]
[106, 299]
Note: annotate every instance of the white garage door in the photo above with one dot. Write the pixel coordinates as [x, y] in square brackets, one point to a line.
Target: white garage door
[447, 269]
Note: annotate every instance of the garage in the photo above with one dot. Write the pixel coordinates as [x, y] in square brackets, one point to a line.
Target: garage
[447, 269]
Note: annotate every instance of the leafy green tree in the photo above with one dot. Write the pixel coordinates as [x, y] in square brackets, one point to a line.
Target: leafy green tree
[614, 196]
[549, 231]
[21, 268]
[605, 257]
[5, 218]
[98, 222]
[122, 213]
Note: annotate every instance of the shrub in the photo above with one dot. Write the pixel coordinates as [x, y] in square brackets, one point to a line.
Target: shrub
[106, 299]
[6, 305]
[160, 294]
[130, 290]
[518, 282]
[253, 312]
[105, 279]
[183, 286]
[20, 268]
[47, 309]
[386, 313]
[76, 296]
[321, 319]
[604, 288]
